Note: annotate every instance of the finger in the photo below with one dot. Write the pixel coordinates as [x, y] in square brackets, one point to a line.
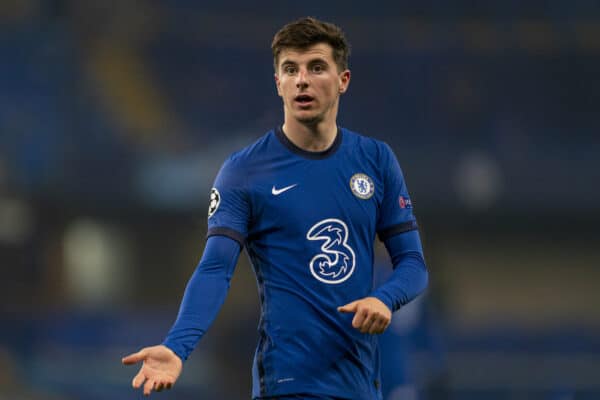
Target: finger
[169, 385]
[159, 386]
[368, 323]
[377, 327]
[359, 318]
[134, 358]
[138, 380]
[148, 387]
[378, 324]
[385, 324]
[348, 308]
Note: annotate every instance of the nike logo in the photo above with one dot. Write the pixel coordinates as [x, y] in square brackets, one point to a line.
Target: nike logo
[277, 192]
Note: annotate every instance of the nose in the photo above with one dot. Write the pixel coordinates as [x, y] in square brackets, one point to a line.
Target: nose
[302, 79]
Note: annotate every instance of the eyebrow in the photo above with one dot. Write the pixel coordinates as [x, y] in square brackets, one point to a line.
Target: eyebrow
[310, 62]
[288, 62]
[317, 61]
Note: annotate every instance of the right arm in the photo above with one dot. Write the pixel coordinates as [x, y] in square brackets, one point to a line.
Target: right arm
[228, 220]
[203, 297]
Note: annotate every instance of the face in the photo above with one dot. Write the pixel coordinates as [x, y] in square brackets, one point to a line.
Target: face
[310, 83]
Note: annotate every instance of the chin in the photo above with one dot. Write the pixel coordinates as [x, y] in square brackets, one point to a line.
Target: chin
[309, 119]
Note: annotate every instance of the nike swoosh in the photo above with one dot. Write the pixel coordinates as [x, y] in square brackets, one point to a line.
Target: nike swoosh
[277, 192]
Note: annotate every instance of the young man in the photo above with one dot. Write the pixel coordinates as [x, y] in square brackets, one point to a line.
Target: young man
[307, 200]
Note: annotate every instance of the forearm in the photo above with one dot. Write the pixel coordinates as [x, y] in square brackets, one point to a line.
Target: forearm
[410, 276]
[204, 295]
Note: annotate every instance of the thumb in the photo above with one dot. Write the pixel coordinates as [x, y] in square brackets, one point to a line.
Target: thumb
[134, 358]
[349, 308]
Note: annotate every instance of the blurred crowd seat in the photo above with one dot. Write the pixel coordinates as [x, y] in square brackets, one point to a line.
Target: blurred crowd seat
[86, 84]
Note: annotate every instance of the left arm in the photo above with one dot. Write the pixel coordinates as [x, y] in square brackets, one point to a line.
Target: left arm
[410, 275]
[373, 314]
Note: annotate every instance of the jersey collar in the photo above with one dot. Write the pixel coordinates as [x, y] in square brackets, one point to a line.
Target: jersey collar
[313, 155]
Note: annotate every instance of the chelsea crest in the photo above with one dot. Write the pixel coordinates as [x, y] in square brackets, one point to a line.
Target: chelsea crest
[362, 186]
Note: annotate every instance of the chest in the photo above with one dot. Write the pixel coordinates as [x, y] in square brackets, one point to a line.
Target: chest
[295, 196]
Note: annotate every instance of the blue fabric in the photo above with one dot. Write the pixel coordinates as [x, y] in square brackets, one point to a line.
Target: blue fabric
[410, 275]
[308, 222]
[204, 295]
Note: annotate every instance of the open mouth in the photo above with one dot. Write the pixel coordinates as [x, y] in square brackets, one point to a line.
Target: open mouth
[303, 99]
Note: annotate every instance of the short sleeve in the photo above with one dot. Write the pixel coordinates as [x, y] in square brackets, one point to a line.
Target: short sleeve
[229, 206]
[396, 210]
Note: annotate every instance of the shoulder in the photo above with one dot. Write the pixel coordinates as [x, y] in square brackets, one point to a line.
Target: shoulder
[239, 168]
[367, 146]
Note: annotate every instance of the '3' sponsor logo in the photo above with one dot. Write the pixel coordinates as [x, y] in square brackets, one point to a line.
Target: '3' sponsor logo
[335, 263]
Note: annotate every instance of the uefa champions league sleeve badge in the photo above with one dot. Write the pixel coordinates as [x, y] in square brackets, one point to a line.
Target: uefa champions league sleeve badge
[362, 186]
[215, 200]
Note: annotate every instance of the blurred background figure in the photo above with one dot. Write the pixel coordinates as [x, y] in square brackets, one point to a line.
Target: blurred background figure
[413, 354]
[116, 115]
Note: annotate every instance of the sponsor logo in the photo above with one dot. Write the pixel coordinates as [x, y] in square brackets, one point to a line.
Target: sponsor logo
[277, 192]
[335, 263]
[404, 202]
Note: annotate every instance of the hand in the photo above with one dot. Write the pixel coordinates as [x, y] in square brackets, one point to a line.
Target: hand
[371, 315]
[160, 369]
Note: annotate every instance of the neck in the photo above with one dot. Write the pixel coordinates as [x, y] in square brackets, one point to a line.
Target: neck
[310, 137]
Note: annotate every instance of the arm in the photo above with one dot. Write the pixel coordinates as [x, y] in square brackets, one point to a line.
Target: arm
[373, 314]
[410, 275]
[203, 297]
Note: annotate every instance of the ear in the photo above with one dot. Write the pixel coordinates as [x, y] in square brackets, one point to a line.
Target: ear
[344, 81]
[277, 83]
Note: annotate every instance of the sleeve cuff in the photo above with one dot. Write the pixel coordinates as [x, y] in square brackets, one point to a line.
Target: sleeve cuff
[175, 350]
[384, 299]
[228, 232]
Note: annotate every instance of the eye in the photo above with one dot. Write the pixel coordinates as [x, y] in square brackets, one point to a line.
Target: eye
[289, 69]
[318, 68]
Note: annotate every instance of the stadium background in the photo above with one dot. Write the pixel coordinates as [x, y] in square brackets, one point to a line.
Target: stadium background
[116, 115]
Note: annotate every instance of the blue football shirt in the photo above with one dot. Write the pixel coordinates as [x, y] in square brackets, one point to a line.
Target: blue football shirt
[308, 221]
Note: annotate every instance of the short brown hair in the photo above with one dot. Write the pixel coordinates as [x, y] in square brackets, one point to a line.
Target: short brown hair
[308, 31]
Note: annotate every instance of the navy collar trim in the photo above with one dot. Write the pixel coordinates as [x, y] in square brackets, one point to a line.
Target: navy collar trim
[313, 155]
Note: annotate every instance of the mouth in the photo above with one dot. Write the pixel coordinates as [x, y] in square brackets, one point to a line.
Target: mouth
[303, 100]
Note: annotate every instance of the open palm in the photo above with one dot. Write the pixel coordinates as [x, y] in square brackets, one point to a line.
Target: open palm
[160, 369]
